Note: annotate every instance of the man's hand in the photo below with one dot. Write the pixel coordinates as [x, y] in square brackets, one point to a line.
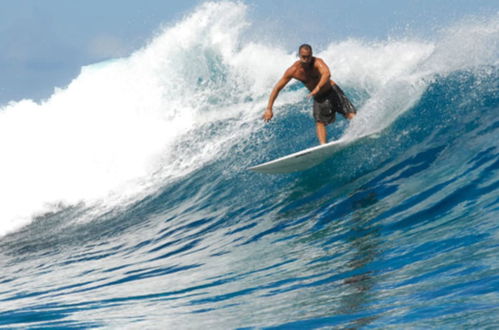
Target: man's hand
[312, 93]
[268, 115]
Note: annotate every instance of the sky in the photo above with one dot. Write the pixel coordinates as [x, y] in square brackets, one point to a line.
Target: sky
[45, 43]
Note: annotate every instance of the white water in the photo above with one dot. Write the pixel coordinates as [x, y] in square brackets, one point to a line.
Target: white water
[124, 127]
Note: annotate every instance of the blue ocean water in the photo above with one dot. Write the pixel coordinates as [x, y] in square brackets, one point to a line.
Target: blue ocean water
[150, 219]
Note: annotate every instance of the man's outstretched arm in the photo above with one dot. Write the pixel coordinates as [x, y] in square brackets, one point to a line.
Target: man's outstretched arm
[273, 95]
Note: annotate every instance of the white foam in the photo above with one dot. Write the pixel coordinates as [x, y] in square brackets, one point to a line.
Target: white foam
[386, 71]
[123, 128]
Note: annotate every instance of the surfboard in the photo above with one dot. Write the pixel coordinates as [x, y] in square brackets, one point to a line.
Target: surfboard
[300, 160]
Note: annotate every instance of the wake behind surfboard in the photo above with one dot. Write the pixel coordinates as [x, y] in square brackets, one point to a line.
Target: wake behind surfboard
[301, 160]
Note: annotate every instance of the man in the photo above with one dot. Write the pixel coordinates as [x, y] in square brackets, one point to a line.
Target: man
[328, 97]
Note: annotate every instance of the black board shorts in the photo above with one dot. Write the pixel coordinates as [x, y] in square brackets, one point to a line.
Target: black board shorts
[327, 105]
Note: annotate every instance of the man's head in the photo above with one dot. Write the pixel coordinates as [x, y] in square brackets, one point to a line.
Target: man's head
[305, 53]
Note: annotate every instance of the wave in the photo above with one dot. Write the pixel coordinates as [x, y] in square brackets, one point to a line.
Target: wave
[127, 128]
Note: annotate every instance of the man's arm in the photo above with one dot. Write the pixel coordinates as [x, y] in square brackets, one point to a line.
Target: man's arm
[325, 76]
[275, 91]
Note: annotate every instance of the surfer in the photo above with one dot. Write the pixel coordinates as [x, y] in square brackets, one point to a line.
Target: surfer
[314, 73]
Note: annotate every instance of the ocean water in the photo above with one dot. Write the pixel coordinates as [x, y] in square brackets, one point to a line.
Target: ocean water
[127, 203]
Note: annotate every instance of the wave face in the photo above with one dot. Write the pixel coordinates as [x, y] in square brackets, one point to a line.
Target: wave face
[127, 202]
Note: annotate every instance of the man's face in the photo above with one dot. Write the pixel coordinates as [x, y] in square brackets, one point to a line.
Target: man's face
[305, 56]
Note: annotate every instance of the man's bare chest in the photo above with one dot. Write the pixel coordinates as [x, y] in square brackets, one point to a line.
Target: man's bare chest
[308, 76]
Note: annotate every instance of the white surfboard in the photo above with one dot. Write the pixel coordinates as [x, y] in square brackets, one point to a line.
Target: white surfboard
[301, 160]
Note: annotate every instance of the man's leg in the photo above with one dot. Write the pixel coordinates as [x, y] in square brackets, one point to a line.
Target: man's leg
[321, 132]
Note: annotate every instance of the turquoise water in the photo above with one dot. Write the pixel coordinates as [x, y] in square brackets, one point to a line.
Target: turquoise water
[398, 230]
